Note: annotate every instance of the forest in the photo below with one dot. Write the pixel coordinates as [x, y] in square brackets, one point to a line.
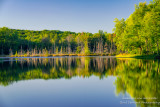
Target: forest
[47, 42]
[138, 34]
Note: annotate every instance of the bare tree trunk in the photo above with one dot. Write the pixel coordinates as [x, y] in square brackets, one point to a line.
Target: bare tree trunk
[158, 67]
[21, 50]
[147, 45]
[78, 41]
[61, 49]
[157, 48]
[94, 47]
[101, 46]
[54, 47]
[98, 47]
[2, 50]
[69, 50]
[111, 48]
[140, 50]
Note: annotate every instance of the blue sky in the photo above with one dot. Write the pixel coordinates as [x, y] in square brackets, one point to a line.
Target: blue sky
[65, 15]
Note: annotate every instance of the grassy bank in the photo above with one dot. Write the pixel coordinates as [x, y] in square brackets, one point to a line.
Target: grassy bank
[138, 56]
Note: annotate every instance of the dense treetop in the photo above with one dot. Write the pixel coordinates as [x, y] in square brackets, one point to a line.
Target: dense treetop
[140, 33]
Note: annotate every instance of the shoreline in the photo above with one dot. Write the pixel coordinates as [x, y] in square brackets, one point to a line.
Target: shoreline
[53, 55]
[154, 56]
[66, 55]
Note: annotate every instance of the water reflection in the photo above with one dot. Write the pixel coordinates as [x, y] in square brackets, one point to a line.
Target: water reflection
[139, 78]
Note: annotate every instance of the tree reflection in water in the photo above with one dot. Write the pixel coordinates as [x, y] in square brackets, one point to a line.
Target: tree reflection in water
[54, 68]
[139, 78]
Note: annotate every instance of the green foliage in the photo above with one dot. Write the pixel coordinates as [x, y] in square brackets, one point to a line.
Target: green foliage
[78, 49]
[140, 33]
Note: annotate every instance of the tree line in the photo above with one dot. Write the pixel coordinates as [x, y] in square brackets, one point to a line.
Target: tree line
[20, 42]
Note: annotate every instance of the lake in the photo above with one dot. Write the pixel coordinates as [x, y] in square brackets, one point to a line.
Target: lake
[98, 81]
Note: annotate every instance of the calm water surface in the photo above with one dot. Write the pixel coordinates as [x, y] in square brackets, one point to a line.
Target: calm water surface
[79, 82]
